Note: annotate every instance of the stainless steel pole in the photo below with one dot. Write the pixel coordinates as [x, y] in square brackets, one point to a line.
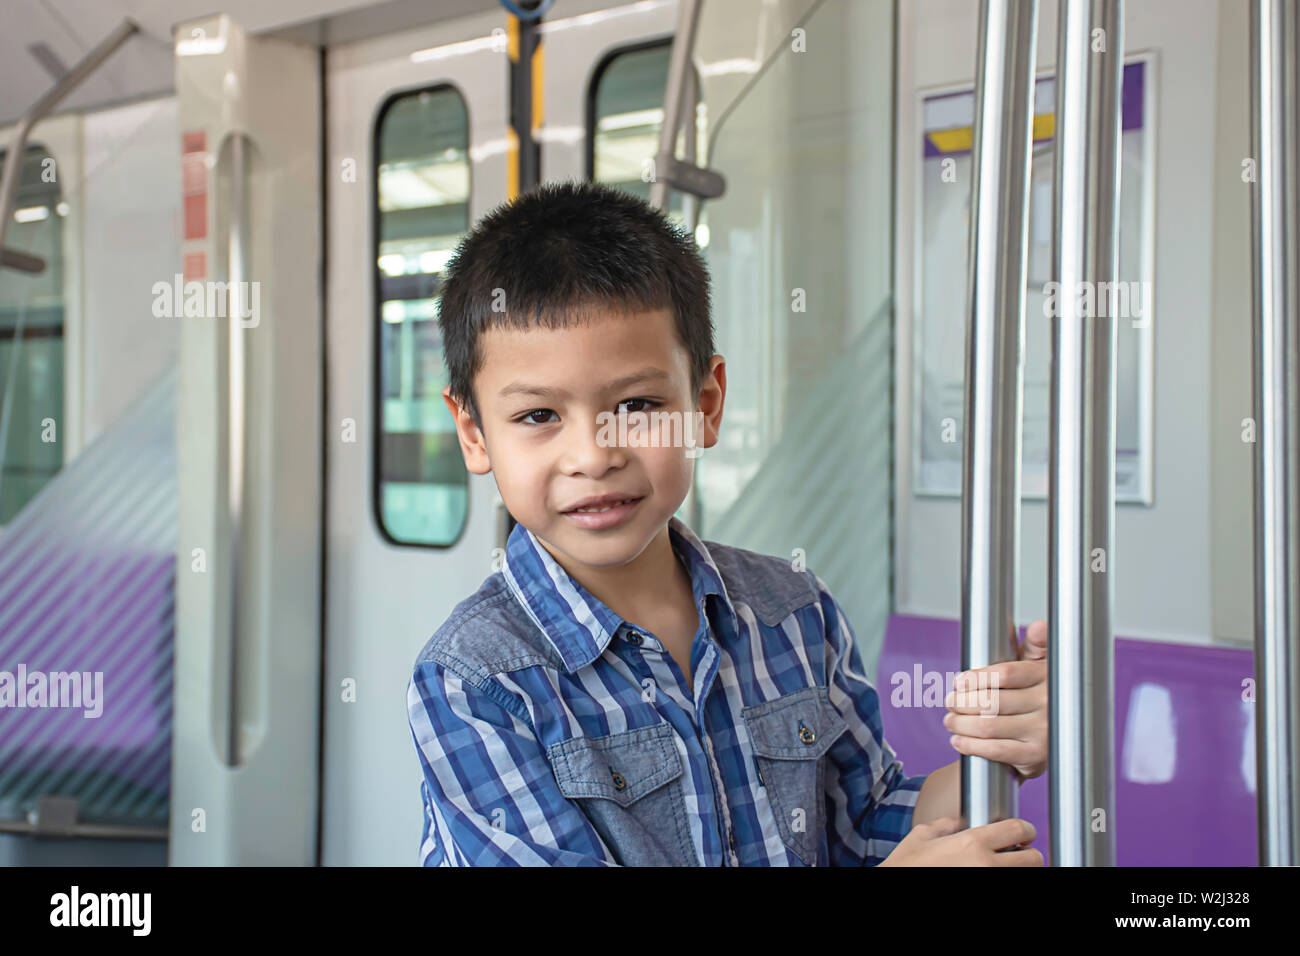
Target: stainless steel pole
[238, 259]
[690, 126]
[999, 227]
[1275, 245]
[1081, 481]
[679, 67]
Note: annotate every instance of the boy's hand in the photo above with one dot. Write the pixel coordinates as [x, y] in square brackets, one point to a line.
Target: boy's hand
[941, 844]
[1000, 711]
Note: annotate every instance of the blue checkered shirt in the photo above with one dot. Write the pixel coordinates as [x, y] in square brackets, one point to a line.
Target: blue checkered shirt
[552, 732]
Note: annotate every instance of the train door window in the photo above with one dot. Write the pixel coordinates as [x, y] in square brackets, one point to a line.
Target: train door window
[31, 338]
[625, 115]
[422, 182]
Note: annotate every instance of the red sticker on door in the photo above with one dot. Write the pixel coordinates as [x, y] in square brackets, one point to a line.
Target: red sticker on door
[196, 266]
[194, 183]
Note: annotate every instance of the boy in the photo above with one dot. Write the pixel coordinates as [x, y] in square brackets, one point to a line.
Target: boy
[621, 692]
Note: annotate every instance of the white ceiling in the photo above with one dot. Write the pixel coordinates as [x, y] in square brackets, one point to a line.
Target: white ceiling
[143, 65]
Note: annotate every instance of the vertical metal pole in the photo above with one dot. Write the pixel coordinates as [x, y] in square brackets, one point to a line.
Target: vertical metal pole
[1081, 472]
[999, 227]
[690, 98]
[680, 95]
[236, 386]
[1275, 245]
[679, 66]
[525, 74]
[691, 217]
[526, 80]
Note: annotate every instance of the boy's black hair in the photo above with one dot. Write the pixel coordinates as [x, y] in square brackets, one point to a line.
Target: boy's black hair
[556, 253]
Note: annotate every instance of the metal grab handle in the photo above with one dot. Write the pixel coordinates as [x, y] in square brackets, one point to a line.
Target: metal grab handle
[1275, 293]
[679, 65]
[1081, 496]
[21, 261]
[41, 108]
[234, 401]
[999, 249]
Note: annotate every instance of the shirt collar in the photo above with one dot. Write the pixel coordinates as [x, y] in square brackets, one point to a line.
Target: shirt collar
[576, 623]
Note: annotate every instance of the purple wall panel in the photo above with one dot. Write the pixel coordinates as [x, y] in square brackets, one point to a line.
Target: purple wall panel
[1184, 742]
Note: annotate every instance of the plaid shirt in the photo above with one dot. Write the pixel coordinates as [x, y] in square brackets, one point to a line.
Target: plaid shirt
[553, 732]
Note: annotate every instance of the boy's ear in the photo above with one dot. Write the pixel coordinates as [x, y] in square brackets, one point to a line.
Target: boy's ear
[713, 392]
[472, 446]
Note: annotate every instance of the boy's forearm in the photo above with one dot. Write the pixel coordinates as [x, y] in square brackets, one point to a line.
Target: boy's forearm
[940, 795]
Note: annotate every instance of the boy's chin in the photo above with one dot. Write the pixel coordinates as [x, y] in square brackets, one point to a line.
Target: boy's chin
[609, 546]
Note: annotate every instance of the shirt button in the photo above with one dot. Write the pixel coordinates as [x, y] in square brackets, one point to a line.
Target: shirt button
[619, 782]
[634, 637]
[806, 735]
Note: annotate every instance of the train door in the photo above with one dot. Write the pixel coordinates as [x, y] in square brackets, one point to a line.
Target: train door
[420, 119]
[415, 148]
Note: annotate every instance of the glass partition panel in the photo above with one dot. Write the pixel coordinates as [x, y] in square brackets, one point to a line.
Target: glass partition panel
[800, 252]
[31, 338]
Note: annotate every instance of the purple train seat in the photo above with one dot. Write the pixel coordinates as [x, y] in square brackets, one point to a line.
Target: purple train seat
[109, 615]
[1184, 741]
[87, 609]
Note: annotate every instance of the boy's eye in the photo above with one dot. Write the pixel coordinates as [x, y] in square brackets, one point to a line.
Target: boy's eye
[528, 417]
[644, 401]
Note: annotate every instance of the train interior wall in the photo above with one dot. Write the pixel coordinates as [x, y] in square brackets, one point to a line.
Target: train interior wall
[1182, 565]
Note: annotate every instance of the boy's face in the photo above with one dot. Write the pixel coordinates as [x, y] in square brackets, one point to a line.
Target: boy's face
[546, 447]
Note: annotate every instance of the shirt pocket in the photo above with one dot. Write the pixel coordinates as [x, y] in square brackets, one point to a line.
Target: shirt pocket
[631, 787]
[790, 736]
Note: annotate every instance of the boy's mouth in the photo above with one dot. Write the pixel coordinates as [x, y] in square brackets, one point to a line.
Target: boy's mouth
[600, 504]
[603, 513]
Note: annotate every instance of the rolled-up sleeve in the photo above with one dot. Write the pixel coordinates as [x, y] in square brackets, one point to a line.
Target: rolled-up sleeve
[489, 793]
[870, 800]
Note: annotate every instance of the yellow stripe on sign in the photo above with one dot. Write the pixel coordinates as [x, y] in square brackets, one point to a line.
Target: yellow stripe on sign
[961, 139]
[539, 71]
[956, 140]
[512, 163]
[512, 37]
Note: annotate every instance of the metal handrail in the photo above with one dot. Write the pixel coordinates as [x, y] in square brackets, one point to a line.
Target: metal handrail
[1275, 294]
[97, 831]
[235, 391]
[999, 249]
[1081, 494]
[679, 64]
[38, 111]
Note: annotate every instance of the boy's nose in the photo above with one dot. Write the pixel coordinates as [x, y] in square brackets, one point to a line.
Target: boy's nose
[592, 448]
